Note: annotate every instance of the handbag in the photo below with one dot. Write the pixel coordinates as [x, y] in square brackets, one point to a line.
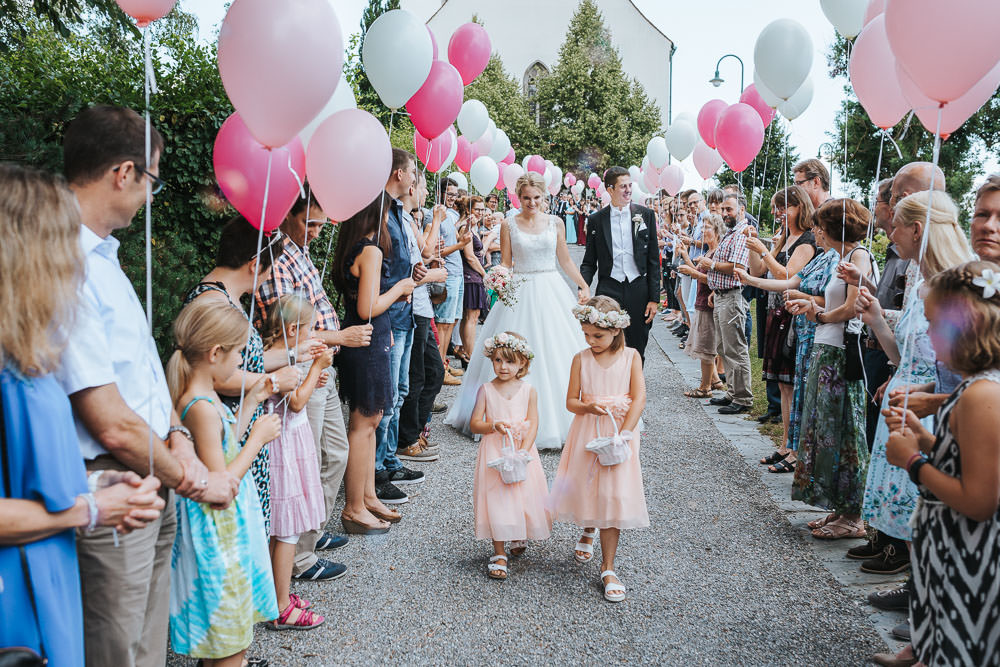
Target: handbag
[438, 292]
[512, 464]
[853, 332]
[790, 345]
[19, 656]
[613, 449]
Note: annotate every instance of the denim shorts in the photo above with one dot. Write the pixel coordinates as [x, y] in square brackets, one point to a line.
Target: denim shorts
[449, 311]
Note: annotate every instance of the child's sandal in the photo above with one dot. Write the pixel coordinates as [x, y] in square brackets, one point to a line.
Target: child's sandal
[301, 603]
[518, 547]
[306, 620]
[613, 592]
[588, 549]
[495, 571]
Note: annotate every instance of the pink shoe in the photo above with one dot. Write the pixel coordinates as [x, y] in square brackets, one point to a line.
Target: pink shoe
[307, 620]
[299, 602]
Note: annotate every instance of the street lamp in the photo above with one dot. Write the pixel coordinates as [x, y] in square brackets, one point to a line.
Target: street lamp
[718, 80]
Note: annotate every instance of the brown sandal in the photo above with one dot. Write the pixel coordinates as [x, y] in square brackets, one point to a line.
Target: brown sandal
[819, 523]
[840, 529]
[698, 393]
[392, 516]
[719, 386]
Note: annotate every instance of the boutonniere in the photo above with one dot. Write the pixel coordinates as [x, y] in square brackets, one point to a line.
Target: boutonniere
[637, 224]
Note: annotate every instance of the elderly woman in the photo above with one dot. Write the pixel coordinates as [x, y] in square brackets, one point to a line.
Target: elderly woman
[45, 494]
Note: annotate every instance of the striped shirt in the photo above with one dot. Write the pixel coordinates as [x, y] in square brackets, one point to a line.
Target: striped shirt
[732, 248]
[294, 272]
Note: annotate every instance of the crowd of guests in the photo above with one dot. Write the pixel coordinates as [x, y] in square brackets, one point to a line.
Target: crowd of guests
[142, 502]
[883, 376]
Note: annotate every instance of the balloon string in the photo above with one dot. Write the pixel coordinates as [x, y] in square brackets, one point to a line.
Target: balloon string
[295, 175]
[149, 85]
[871, 211]
[910, 340]
[763, 173]
[378, 228]
[256, 268]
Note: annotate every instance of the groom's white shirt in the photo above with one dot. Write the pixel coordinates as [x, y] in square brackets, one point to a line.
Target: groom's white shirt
[623, 268]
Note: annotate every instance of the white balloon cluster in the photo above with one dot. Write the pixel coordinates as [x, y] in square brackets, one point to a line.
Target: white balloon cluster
[783, 57]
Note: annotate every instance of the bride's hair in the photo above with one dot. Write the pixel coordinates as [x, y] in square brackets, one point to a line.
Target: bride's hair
[530, 179]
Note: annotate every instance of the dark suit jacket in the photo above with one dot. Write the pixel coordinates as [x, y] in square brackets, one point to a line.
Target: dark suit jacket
[598, 259]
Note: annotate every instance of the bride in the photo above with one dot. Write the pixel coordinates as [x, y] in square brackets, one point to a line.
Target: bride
[530, 243]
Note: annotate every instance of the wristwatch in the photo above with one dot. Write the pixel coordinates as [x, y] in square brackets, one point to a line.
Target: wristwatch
[914, 469]
[183, 430]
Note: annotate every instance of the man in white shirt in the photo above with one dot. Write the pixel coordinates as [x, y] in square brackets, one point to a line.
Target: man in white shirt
[121, 404]
[622, 250]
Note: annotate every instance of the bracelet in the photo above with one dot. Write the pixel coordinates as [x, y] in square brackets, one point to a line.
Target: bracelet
[92, 480]
[910, 461]
[94, 512]
[183, 430]
[915, 469]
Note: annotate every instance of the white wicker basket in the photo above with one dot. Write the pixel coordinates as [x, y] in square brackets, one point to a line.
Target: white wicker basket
[512, 464]
[614, 449]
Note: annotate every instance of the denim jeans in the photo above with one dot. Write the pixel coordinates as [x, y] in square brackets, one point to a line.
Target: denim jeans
[387, 433]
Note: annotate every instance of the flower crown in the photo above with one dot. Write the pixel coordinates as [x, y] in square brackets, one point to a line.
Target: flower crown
[615, 319]
[510, 342]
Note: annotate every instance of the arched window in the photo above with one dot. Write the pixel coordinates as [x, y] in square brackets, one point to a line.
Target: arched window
[532, 76]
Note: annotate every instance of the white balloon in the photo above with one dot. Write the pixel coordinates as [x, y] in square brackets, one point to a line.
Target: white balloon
[686, 117]
[770, 99]
[577, 188]
[798, 102]
[524, 162]
[501, 146]
[511, 174]
[847, 16]
[460, 180]
[484, 174]
[635, 173]
[548, 176]
[397, 56]
[680, 139]
[473, 120]
[783, 56]
[343, 98]
[484, 144]
[556, 185]
[645, 164]
[451, 156]
[656, 149]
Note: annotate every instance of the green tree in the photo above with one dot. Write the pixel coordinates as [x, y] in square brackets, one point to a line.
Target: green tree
[501, 94]
[593, 115]
[364, 92]
[770, 171]
[961, 155]
[61, 15]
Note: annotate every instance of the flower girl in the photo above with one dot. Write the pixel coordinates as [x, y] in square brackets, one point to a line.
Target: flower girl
[606, 385]
[506, 412]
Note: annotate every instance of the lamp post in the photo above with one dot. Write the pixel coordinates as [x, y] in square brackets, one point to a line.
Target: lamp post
[718, 80]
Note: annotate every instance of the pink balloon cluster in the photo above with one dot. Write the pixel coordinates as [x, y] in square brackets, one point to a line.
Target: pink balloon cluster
[146, 11]
[735, 130]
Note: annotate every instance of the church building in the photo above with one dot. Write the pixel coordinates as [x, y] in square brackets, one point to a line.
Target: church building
[527, 34]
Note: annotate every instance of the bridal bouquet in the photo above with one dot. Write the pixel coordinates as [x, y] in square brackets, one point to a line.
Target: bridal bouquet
[502, 282]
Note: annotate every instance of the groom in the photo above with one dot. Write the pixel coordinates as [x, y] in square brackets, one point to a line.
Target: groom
[622, 251]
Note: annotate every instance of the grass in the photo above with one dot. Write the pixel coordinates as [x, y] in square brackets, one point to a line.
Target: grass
[757, 385]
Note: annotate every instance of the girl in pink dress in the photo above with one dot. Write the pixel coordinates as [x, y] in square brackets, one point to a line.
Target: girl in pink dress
[297, 504]
[504, 512]
[605, 379]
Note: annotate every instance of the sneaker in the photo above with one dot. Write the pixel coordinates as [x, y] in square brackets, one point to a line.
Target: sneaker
[431, 448]
[456, 372]
[323, 570]
[451, 380]
[405, 476]
[768, 417]
[416, 452]
[898, 599]
[330, 541]
[901, 631]
[894, 558]
[438, 408]
[870, 549]
[733, 409]
[389, 494]
[721, 401]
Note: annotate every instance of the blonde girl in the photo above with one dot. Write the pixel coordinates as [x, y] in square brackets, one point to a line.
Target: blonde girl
[606, 383]
[297, 504]
[506, 411]
[221, 580]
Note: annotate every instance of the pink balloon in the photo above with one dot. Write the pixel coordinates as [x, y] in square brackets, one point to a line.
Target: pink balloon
[466, 155]
[740, 135]
[433, 153]
[146, 11]
[964, 38]
[706, 160]
[436, 105]
[671, 179]
[707, 119]
[512, 197]
[240, 164]
[752, 97]
[873, 76]
[593, 181]
[651, 179]
[469, 51]
[434, 42]
[348, 162]
[511, 157]
[510, 174]
[536, 164]
[569, 180]
[500, 184]
[875, 7]
[280, 63]
[605, 198]
[954, 113]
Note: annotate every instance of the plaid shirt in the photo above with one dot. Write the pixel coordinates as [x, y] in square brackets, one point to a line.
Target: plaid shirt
[732, 248]
[293, 272]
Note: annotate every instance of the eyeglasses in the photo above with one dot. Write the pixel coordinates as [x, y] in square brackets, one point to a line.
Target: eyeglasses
[158, 183]
[803, 181]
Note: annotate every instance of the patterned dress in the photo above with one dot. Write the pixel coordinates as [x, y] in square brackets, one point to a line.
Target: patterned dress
[252, 361]
[221, 581]
[890, 496]
[814, 277]
[955, 608]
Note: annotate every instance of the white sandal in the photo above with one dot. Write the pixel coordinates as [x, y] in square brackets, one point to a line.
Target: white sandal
[586, 548]
[517, 547]
[612, 592]
[495, 571]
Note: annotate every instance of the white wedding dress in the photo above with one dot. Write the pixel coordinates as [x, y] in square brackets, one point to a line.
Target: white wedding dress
[543, 314]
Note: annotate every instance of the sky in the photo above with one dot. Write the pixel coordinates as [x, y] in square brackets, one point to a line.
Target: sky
[703, 31]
